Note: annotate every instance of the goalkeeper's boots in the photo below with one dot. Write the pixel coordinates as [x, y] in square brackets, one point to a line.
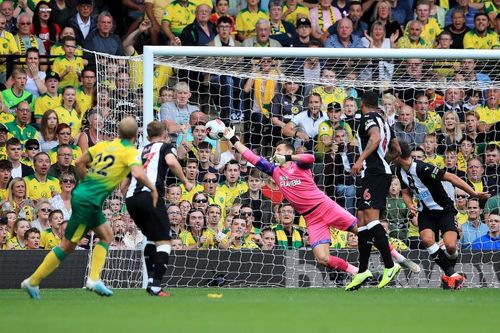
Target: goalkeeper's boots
[99, 288]
[359, 280]
[160, 293]
[411, 265]
[389, 275]
[33, 291]
[445, 284]
[457, 281]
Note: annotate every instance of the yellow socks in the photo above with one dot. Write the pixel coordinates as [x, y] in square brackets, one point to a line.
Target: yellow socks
[98, 260]
[48, 265]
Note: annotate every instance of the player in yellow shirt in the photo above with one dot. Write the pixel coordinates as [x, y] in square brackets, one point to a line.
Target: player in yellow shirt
[108, 163]
[247, 18]
[66, 113]
[178, 14]
[51, 99]
[69, 67]
[481, 37]
[40, 185]
[52, 236]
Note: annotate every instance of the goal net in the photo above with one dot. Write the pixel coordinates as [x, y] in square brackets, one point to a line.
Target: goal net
[444, 103]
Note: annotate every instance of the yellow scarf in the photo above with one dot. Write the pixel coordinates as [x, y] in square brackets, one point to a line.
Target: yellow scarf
[321, 19]
[263, 99]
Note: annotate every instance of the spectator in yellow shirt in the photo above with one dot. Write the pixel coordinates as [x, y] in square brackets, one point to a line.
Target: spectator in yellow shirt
[431, 28]
[430, 147]
[424, 115]
[412, 38]
[32, 238]
[51, 237]
[41, 185]
[69, 67]
[7, 46]
[481, 37]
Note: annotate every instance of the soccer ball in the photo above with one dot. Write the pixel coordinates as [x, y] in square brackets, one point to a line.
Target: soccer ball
[215, 129]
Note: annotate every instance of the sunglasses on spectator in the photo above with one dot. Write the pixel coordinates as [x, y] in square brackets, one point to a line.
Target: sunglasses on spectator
[64, 133]
[246, 213]
[462, 196]
[46, 210]
[210, 180]
[68, 181]
[33, 148]
[200, 201]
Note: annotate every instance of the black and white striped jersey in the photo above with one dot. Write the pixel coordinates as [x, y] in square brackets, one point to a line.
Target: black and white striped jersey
[426, 182]
[153, 160]
[375, 164]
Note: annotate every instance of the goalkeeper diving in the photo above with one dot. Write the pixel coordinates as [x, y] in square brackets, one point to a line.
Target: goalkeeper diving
[292, 173]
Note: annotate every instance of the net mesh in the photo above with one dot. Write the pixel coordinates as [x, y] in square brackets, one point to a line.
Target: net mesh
[248, 93]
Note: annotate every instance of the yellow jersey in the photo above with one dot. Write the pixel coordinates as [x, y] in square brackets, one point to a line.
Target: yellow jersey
[46, 102]
[8, 45]
[6, 118]
[300, 11]
[72, 78]
[338, 238]
[338, 95]
[188, 239]
[70, 117]
[13, 244]
[76, 152]
[188, 195]
[245, 21]
[178, 16]
[35, 189]
[432, 121]
[473, 41]
[326, 129]
[84, 102]
[111, 163]
[231, 193]
[437, 160]
[48, 240]
[487, 115]
[461, 217]
[4, 194]
[57, 51]
[430, 31]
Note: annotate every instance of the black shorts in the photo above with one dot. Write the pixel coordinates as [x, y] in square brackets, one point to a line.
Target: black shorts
[373, 191]
[152, 221]
[437, 221]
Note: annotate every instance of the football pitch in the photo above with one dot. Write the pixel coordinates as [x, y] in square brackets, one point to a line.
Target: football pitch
[255, 310]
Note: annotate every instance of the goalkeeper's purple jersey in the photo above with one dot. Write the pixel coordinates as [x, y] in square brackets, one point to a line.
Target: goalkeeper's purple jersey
[295, 181]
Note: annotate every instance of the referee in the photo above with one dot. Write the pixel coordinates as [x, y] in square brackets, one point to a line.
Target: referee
[436, 210]
[157, 158]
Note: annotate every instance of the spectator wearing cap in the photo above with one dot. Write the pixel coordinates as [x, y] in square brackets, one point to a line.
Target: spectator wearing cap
[481, 37]
[262, 36]
[3, 140]
[41, 185]
[102, 39]
[51, 99]
[326, 133]
[31, 148]
[247, 19]
[83, 22]
[5, 175]
[20, 128]
[281, 30]
[293, 11]
[303, 36]
[344, 37]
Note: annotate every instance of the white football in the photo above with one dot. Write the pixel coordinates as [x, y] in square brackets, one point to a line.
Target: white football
[215, 129]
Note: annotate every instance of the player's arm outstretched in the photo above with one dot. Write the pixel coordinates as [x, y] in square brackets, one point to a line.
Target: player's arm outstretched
[457, 182]
[371, 146]
[260, 163]
[173, 164]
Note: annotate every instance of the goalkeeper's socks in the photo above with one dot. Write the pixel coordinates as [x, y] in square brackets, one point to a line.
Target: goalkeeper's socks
[364, 247]
[160, 263]
[340, 264]
[49, 264]
[441, 259]
[149, 254]
[381, 242]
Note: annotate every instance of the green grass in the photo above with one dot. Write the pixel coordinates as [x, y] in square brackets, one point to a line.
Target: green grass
[255, 310]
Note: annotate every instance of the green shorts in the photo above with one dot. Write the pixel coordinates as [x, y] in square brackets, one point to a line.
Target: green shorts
[86, 214]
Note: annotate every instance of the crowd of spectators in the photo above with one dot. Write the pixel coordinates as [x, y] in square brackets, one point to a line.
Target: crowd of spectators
[51, 112]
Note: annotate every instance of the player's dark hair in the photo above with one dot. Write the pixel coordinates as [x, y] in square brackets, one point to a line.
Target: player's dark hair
[287, 144]
[156, 129]
[405, 149]
[370, 99]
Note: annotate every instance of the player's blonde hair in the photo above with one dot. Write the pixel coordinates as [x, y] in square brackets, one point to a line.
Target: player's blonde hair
[128, 128]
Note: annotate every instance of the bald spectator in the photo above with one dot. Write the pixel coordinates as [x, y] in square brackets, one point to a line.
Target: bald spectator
[201, 31]
[408, 130]
[412, 38]
[20, 128]
[262, 33]
[344, 37]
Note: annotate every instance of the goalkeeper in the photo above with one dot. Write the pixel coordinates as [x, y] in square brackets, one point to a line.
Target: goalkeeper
[292, 173]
